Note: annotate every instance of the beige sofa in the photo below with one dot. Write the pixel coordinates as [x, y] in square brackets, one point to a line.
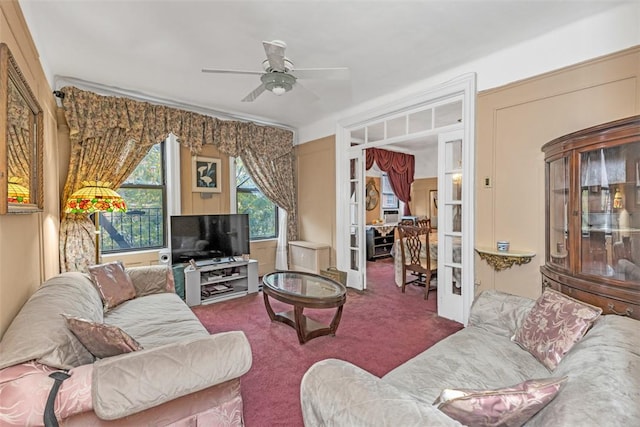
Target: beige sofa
[182, 376]
[602, 370]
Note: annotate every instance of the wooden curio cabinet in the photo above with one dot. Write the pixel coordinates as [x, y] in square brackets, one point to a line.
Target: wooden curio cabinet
[593, 216]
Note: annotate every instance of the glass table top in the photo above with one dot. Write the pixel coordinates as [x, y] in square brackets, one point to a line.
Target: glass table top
[303, 284]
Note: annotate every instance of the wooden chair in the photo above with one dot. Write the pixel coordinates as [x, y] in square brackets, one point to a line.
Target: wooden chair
[424, 223]
[414, 258]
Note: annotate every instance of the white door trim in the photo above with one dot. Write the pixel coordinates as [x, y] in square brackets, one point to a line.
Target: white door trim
[464, 86]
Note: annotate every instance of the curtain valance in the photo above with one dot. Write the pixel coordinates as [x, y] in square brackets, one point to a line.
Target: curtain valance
[90, 115]
[400, 169]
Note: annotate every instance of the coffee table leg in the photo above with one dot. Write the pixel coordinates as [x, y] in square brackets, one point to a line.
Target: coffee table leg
[272, 314]
[336, 320]
[300, 324]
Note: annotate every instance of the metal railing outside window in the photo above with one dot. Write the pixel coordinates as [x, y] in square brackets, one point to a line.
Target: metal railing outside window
[143, 226]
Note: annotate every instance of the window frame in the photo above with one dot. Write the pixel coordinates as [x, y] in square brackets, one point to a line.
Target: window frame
[165, 210]
[234, 201]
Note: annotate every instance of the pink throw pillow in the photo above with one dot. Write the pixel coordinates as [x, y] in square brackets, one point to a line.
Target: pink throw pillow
[100, 339]
[113, 283]
[511, 406]
[554, 325]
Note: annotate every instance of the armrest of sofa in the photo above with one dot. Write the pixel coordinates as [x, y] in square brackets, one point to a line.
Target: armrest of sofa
[151, 279]
[132, 382]
[336, 393]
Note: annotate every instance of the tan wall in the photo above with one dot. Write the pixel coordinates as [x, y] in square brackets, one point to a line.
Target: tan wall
[29, 242]
[420, 196]
[316, 183]
[513, 123]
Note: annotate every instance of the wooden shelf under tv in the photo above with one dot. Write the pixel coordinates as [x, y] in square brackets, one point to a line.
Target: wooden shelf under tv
[238, 277]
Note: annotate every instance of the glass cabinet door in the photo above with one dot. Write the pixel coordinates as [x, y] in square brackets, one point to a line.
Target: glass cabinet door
[558, 215]
[609, 201]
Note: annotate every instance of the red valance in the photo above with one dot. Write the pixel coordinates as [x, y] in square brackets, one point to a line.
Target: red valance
[400, 168]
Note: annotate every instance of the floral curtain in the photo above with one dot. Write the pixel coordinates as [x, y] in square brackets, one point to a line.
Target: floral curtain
[267, 153]
[400, 168]
[111, 135]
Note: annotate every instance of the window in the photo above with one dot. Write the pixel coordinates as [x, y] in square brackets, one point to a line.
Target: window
[263, 214]
[143, 225]
[389, 199]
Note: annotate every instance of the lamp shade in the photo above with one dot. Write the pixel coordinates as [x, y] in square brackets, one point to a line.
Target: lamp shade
[618, 201]
[95, 196]
[17, 193]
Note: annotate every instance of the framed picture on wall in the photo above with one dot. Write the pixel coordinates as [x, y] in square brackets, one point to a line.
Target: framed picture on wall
[433, 208]
[206, 175]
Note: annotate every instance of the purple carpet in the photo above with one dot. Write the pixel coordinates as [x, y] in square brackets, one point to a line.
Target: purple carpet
[380, 329]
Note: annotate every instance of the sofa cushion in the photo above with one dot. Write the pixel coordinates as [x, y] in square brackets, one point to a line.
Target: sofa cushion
[167, 319]
[510, 406]
[465, 359]
[100, 339]
[151, 279]
[113, 283]
[554, 325]
[39, 333]
[499, 312]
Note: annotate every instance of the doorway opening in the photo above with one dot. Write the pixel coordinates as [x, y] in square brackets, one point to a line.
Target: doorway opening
[437, 130]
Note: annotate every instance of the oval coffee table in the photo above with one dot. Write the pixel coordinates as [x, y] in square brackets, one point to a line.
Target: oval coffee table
[304, 290]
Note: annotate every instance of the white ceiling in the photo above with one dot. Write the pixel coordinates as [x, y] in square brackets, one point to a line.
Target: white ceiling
[158, 48]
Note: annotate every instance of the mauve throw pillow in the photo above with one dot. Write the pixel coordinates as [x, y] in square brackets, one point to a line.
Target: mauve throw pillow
[100, 339]
[553, 326]
[508, 407]
[113, 283]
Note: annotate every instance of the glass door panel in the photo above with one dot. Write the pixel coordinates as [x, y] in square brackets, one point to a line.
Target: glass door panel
[356, 273]
[558, 216]
[609, 207]
[450, 271]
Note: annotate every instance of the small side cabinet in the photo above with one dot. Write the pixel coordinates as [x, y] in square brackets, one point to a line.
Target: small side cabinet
[309, 257]
[379, 245]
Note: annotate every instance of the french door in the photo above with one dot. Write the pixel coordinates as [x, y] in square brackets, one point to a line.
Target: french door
[454, 275]
[356, 271]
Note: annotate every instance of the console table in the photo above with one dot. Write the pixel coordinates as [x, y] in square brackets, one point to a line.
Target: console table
[501, 260]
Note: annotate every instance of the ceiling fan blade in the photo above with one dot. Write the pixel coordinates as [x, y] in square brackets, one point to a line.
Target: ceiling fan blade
[214, 70]
[309, 94]
[275, 54]
[254, 94]
[322, 73]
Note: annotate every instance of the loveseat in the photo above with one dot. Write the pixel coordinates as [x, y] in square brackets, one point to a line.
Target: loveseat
[178, 374]
[601, 388]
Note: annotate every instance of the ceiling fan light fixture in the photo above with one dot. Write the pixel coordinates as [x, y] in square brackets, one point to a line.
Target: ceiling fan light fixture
[278, 83]
[278, 90]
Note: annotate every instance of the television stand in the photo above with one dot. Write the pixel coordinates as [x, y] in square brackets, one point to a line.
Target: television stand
[216, 282]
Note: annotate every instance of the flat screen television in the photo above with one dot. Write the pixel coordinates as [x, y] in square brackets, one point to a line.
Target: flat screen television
[209, 237]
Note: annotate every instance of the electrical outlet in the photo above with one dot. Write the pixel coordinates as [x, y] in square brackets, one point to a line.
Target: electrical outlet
[487, 182]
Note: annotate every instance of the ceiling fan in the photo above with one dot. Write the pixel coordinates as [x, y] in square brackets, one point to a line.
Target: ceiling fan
[279, 75]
